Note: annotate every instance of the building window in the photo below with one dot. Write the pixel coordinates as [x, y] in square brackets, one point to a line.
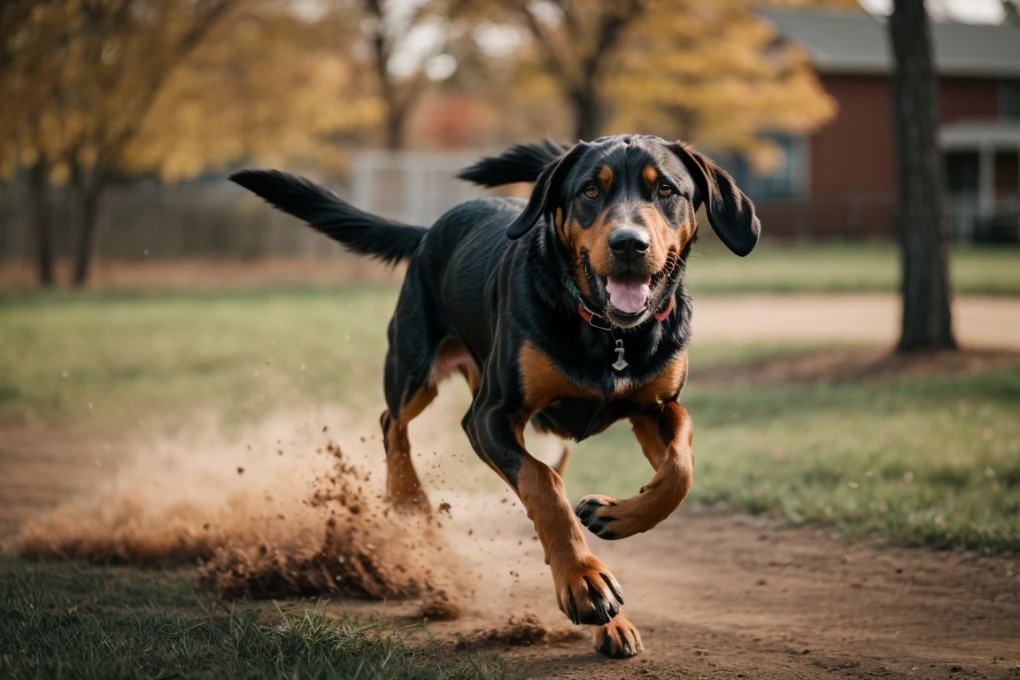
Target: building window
[1009, 99]
[789, 180]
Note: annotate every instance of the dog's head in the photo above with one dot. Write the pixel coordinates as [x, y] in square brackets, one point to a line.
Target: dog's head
[623, 208]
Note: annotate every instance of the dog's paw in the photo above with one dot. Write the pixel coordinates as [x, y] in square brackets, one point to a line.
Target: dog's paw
[596, 513]
[618, 639]
[588, 594]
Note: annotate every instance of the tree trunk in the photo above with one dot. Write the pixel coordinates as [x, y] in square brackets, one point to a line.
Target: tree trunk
[394, 127]
[923, 233]
[85, 207]
[42, 217]
[587, 114]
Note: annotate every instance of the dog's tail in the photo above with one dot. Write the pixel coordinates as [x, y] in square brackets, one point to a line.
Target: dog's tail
[520, 163]
[324, 211]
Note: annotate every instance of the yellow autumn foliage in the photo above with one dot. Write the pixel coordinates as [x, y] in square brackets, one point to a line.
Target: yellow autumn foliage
[267, 88]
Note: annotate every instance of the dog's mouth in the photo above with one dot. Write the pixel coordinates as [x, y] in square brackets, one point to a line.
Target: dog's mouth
[629, 293]
[630, 297]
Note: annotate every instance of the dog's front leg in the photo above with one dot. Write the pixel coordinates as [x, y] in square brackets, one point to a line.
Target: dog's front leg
[666, 434]
[585, 590]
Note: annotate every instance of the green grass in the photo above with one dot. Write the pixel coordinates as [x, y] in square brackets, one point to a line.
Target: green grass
[116, 358]
[933, 462]
[836, 268]
[78, 621]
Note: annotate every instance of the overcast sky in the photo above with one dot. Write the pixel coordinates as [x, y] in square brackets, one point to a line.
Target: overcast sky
[980, 11]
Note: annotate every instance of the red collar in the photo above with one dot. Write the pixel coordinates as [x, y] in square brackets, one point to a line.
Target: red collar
[661, 316]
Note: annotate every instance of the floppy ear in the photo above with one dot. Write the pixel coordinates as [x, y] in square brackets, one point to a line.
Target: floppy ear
[730, 212]
[545, 193]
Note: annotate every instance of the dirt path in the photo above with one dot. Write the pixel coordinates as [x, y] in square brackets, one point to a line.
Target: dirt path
[871, 319]
[722, 596]
[714, 596]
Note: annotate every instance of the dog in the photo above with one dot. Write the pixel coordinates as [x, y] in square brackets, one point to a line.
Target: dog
[568, 311]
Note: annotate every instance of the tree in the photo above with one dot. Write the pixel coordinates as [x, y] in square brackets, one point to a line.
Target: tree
[390, 28]
[85, 74]
[114, 89]
[15, 25]
[576, 40]
[708, 71]
[715, 73]
[923, 232]
[265, 87]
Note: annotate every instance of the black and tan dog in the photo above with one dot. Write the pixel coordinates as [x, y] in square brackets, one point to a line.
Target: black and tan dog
[568, 311]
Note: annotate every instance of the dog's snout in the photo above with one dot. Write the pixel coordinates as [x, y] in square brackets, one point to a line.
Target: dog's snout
[628, 243]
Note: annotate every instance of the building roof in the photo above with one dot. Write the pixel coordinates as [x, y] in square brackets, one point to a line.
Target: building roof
[841, 42]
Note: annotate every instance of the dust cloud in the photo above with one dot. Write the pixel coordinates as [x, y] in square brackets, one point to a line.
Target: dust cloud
[291, 508]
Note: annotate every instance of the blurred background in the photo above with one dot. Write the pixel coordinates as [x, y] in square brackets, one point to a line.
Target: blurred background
[122, 117]
[887, 182]
[172, 350]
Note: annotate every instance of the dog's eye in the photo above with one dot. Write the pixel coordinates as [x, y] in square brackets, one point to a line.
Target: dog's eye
[591, 191]
[665, 190]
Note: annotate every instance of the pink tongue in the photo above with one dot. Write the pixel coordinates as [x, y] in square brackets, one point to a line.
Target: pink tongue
[629, 296]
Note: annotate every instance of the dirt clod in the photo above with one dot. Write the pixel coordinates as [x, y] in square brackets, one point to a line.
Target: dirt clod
[523, 632]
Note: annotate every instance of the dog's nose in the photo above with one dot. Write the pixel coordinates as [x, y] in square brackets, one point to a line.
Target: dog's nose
[628, 244]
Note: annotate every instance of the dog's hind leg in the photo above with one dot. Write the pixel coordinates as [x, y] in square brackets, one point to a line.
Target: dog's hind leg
[410, 385]
[414, 369]
[666, 434]
[402, 484]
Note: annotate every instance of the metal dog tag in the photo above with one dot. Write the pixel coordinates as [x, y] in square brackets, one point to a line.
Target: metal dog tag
[620, 363]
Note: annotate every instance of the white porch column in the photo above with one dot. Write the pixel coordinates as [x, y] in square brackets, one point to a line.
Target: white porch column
[986, 180]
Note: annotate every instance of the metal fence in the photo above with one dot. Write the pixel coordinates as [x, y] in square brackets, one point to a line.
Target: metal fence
[214, 219]
[163, 222]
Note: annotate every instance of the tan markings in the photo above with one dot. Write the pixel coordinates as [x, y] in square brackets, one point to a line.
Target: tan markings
[584, 587]
[665, 387]
[416, 404]
[453, 356]
[618, 638]
[541, 382]
[402, 483]
[594, 241]
[674, 471]
[663, 237]
[650, 175]
[646, 431]
[605, 178]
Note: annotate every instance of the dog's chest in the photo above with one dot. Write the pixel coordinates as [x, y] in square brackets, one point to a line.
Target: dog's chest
[578, 419]
[579, 407]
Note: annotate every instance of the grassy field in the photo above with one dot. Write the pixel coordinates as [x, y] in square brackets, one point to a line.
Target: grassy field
[929, 462]
[113, 358]
[78, 622]
[933, 461]
[836, 268]
[771, 268]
